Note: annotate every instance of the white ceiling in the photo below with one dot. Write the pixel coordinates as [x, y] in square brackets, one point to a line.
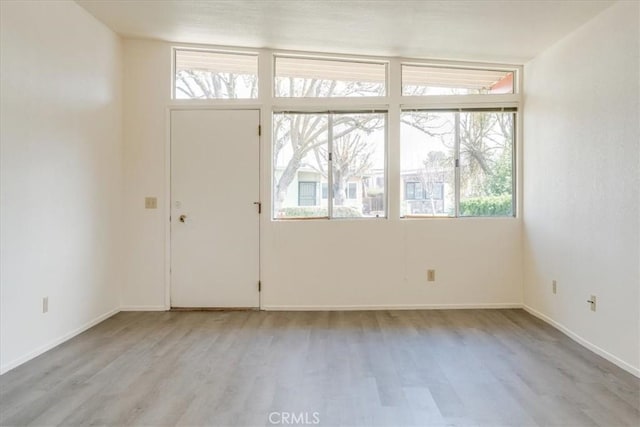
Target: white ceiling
[485, 30]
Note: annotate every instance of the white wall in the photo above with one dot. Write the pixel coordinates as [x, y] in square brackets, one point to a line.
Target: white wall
[61, 172]
[309, 264]
[581, 183]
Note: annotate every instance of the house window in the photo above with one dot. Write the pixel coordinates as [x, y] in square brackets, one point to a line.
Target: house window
[352, 191]
[307, 193]
[204, 74]
[458, 163]
[421, 80]
[334, 150]
[304, 77]
[325, 191]
[413, 191]
[417, 191]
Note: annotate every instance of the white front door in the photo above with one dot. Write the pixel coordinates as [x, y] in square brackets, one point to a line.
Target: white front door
[214, 218]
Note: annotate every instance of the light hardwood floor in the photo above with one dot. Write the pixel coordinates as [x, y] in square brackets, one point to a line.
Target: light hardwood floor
[392, 368]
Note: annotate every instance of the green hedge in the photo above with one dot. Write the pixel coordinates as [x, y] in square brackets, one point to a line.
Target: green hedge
[487, 206]
[314, 211]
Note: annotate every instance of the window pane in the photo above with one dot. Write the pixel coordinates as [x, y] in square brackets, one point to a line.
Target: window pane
[313, 78]
[420, 80]
[427, 163]
[213, 75]
[359, 165]
[299, 167]
[486, 164]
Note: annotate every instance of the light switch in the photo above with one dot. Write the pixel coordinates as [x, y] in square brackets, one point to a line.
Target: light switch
[151, 202]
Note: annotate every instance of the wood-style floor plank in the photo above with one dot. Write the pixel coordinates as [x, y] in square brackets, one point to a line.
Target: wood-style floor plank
[359, 368]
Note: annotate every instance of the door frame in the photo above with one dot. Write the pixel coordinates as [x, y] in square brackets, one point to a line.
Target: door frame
[167, 189]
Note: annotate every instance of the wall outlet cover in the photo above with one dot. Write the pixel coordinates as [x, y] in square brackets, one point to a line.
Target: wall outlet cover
[151, 202]
[431, 275]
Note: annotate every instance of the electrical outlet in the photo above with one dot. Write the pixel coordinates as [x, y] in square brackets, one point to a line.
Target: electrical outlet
[592, 301]
[150, 203]
[554, 287]
[431, 275]
[45, 304]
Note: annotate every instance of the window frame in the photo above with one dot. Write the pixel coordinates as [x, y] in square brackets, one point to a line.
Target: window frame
[344, 59]
[506, 69]
[329, 182]
[174, 70]
[393, 103]
[457, 167]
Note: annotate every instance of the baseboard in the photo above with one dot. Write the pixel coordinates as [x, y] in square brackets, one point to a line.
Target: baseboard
[19, 361]
[585, 343]
[143, 308]
[388, 307]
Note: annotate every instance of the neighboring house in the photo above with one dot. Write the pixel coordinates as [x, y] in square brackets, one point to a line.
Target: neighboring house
[421, 193]
[365, 194]
[424, 193]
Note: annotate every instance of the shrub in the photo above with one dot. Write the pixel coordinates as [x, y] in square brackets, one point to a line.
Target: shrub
[487, 206]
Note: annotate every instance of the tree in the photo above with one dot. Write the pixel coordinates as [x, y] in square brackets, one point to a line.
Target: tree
[485, 153]
[303, 134]
[202, 84]
[485, 147]
[433, 175]
[486, 140]
[351, 158]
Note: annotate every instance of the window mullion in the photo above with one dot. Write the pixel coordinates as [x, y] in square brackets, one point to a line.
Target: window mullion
[457, 164]
[330, 165]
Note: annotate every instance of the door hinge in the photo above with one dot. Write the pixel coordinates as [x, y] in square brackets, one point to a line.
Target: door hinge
[330, 156]
[259, 286]
[259, 130]
[457, 163]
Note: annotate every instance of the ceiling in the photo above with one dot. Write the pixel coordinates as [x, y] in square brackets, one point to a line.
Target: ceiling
[482, 30]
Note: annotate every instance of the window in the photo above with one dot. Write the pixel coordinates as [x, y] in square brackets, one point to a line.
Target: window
[341, 153]
[203, 74]
[420, 80]
[298, 77]
[415, 191]
[352, 190]
[457, 163]
[427, 160]
[330, 120]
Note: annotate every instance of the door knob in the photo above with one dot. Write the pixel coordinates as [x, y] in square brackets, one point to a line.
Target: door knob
[182, 218]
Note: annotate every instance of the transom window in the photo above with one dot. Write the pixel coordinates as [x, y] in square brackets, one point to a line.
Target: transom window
[299, 77]
[421, 80]
[204, 74]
